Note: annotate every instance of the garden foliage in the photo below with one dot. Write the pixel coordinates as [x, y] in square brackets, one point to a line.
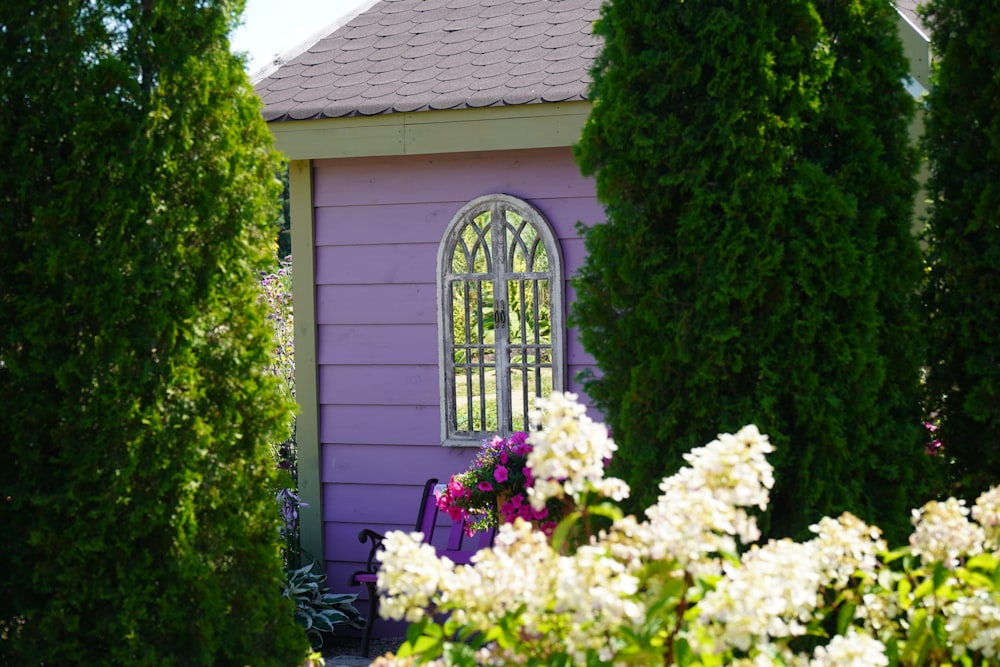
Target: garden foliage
[962, 295]
[687, 584]
[138, 188]
[757, 263]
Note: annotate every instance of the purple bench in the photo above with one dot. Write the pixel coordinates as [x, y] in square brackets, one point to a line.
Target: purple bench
[459, 548]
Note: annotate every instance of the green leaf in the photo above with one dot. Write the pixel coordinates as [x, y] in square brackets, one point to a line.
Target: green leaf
[903, 589]
[845, 616]
[606, 509]
[941, 575]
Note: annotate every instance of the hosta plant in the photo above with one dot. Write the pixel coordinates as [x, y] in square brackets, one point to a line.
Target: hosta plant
[317, 609]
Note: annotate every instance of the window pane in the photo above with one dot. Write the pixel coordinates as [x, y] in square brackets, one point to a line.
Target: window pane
[475, 391]
[472, 251]
[527, 382]
[525, 252]
[474, 356]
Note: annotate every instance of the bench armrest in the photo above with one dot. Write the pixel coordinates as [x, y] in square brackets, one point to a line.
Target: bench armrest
[366, 535]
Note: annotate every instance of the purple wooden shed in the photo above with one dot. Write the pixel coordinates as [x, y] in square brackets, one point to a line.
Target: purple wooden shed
[434, 203]
[434, 208]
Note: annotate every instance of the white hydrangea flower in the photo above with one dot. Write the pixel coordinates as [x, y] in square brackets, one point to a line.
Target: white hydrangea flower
[699, 512]
[878, 612]
[987, 514]
[569, 452]
[973, 623]
[410, 575]
[856, 649]
[483, 592]
[943, 532]
[847, 545]
[772, 593]
[734, 466]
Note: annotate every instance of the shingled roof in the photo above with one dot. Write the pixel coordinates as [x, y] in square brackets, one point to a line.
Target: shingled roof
[416, 55]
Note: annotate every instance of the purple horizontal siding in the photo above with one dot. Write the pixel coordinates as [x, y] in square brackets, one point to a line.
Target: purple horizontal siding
[378, 225]
[398, 304]
[351, 464]
[377, 344]
[455, 177]
[408, 384]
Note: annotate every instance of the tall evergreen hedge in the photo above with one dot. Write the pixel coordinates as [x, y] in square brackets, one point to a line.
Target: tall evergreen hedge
[756, 265]
[137, 191]
[962, 296]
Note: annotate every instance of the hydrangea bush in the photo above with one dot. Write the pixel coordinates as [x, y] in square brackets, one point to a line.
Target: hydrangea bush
[688, 584]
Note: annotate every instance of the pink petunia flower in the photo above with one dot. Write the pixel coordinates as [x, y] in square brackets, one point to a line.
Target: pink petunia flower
[485, 486]
[500, 474]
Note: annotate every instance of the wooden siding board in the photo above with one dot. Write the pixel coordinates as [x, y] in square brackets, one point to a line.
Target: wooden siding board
[457, 178]
[393, 345]
[352, 464]
[403, 384]
[376, 264]
[380, 425]
[574, 252]
[408, 303]
[382, 223]
[565, 212]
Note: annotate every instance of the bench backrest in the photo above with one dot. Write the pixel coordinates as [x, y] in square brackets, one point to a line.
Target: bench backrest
[459, 547]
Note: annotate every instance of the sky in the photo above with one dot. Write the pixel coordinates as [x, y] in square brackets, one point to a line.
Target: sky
[271, 27]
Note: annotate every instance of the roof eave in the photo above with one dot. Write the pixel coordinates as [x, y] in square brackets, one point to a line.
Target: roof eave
[427, 132]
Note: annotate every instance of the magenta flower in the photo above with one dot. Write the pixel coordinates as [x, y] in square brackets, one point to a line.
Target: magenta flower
[485, 486]
[500, 474]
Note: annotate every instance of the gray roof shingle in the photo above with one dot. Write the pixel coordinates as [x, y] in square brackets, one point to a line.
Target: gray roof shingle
[415, 55]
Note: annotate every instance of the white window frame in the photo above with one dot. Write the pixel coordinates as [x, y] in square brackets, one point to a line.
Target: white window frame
[497, 205]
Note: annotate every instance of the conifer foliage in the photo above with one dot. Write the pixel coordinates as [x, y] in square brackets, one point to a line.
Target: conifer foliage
[962, 295]
[137, 187]
[756, 265]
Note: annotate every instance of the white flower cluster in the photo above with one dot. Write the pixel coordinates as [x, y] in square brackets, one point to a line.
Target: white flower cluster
[987, 513]
[853, 650]
[771, 593]
[598, 599]
[973, 623]
[700, 509]
[847, 547]
[775, 590]
[943, 532]
[569, 452]
[410, 575]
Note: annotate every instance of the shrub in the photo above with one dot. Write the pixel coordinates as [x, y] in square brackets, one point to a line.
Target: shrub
[962, 294]
[756, 264]
[138, 191]
[686, 586]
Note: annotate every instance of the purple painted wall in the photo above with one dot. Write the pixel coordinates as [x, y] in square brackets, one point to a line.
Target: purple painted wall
[378, 225]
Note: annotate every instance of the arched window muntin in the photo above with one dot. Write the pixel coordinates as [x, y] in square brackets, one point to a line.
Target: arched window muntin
[500, 318]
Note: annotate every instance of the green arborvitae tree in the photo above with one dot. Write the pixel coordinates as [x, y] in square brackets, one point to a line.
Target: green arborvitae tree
[737, 279]
[962, 296]
[137, 193]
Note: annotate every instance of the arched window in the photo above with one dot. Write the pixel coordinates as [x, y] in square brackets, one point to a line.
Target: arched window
[500, 313]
